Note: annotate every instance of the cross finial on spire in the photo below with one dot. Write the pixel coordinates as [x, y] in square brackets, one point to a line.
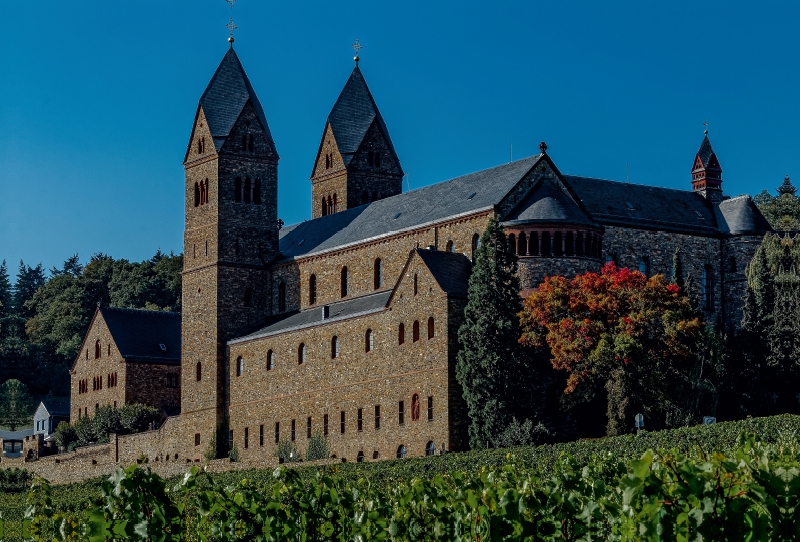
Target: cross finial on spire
[357, 47]
[231, 27]
[231, 3]
[705, 124]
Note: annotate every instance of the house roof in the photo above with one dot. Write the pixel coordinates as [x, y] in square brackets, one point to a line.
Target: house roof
[352, 115]
[460, 196]
[451, 270]
[546, 202]
[741, 215]
[626, 204]
[56, 407]
[16, 435]
[225, 97]
[341, 310]
[139, 334]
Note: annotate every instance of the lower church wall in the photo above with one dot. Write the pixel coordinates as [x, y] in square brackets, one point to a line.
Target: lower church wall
[533, 270]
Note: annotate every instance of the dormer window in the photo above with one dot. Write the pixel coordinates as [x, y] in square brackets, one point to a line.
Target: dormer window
[699, 215]
[163, 347]
[630, 206]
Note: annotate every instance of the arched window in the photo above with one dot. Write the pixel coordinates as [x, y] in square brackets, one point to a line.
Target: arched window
[199, 371]
[345, 282]
[415, 331]
[512, 243]
[312, 289]
[196, 194]
[237, 189]
[644, 267]
[244, 142]
[333, 208]
[732, 264]
[415, 407]
[281, 296]
[324, 206]
[570, 244]
[579, 249]
[476, 242]
[369, 341]
[364, 197]
[257, 191]
[97, 350]
[416, 284]
[374, 196]
[301, 354]
[378, 273]
[377, 159]
[557, 244]
[360, 457]
[523, 245]
[533, 244]
[430, 448]
[239, 366]
[546, 243]
[401, 452]
[270, 360]
[248, 297]
[401, 333]
[251, 146]
[707, 286]
[370, 160]
[334, 347]
[248, 190]
[450, 247]
[430, 327]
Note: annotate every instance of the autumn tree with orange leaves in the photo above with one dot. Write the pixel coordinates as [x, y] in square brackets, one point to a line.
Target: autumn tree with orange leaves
[637, 336]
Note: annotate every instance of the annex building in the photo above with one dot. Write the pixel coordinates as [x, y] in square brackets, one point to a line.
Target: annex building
[346, 323]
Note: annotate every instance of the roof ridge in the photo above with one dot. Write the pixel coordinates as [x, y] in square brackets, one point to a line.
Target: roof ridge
[630, 184]
[151, 311]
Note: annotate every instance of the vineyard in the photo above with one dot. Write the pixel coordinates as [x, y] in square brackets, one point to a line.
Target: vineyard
[732, 481]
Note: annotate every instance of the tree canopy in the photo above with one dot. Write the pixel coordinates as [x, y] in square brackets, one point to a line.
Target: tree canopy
[783, 210]
[16, 405]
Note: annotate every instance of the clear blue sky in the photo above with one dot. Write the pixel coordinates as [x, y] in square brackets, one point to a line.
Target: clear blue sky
[97, 99]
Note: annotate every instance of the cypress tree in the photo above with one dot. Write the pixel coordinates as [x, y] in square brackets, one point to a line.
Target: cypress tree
[488, 366]
[677, 268]
[29, 279]
[6, 297]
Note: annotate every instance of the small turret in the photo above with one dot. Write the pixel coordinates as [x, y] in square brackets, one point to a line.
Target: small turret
[707, 172]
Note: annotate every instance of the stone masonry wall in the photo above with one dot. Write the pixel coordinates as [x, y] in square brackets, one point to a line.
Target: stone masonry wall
[148, 383]
[533, 270]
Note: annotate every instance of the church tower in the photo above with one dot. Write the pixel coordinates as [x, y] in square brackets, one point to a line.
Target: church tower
[356, 162]
[231, 235]
[707, 173]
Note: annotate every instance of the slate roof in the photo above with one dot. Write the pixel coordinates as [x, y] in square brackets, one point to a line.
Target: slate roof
[56, 407]
[705, 151]
[451, 270]
[547, 203]
[313, 317]
[16, 435]
[225, 97]
[650, 206]
[353, 114]
[460, 196]
[740, 215]
[138, 334]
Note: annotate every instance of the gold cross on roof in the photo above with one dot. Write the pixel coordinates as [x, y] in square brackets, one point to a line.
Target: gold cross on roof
[357, 47]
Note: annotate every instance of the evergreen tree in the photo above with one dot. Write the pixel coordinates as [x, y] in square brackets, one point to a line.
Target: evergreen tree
[16, 406]
[29, 279]
[492, 373]
[6, 295]
[677, 269]
[782, 211]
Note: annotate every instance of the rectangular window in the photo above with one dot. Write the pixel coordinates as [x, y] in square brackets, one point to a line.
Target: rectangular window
[377, 416]
[325, 425]
[401, 414]
[430, 408]
[261, 435]
[197, 439]
[360, 420]
[277, 432]
[342, 421]
[293, 430]
[308, 427]
[246, 437]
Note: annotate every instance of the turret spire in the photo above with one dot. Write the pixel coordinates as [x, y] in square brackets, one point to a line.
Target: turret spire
[706, 170]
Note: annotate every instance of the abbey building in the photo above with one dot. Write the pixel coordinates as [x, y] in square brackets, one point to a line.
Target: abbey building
[346, 324]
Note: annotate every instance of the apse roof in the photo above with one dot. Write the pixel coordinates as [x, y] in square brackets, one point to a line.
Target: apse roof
[547, 203]
[741, 215]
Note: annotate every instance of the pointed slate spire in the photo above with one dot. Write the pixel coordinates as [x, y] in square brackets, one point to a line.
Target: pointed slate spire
[353, 114]
[707, 172]
[226, 96]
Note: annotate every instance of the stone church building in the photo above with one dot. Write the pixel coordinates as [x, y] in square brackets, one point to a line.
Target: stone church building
[346, 323]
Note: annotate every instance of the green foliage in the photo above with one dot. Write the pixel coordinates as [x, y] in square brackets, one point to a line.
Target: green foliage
[135, 417]
[522, 434]
[318, 447]
[29, 280]
[287, 451]
[233, 453]
[129, 418]
[14, 480]
[495, 378]
[781, 211]
[16, 405]
[6, 295]
[64, 435]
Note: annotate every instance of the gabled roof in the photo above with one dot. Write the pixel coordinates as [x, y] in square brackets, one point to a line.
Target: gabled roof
[547, 203]
[55, 407]
[353, 113]
[16, 435]
[457, 197]
[225, 97]
[741, 215]
[640, 206]
[139, 334]
[705, 151]
[340, 310]
[451, 271]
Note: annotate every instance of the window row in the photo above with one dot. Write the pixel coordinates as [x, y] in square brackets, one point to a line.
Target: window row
[328, 205]
[361, 422]
[329, 160]
[201, 145]
[374, 159]
[201, 193]
[248, 143]
[557, 243]
[248, 191]
[415, 333]
[98, 350]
